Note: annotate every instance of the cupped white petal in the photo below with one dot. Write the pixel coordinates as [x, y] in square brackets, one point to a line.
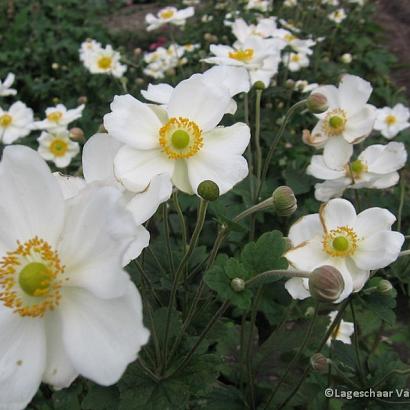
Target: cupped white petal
[140, 241]
[297, 288]
[305, 229]
[384, 159]
[332, 95]
[135, 169]
[132, 122]
[102, 336]
[337, 152]
[354, 92]
[360, 125]
[373, 220]
[334, 188]
[70, 186]
[308, 255]
[236, 79]
[336, 213]
[180, 177]
[320, 170]
[158, 93]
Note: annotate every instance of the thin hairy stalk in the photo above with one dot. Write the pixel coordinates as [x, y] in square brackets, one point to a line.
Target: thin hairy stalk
[167, 236]
[356, 344]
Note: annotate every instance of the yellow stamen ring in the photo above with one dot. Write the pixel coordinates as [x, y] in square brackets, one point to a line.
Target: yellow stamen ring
[5, 120]
[104, 62]
[180, 138]
[58, 147]
[390, 120]
[335, 122]
[342, 241]
[29, 278]
[242, 55]
[55, 116]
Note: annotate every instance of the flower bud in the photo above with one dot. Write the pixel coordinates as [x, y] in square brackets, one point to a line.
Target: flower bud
[289, 83]
[259, 85]
[326, 284]
[346, 58]
[76, 134]
[284, 201]
[137, 51]
[317, 103]
[384, 286]
[310, 312]
[208, 190]
[238, 285]
[319, 363]
[82, 100]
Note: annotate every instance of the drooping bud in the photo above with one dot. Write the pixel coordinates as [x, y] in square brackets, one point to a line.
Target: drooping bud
[319, 363]
[259, 85]
[208, 190]
[238, 285]
[76, 134]
[384, 286]
[326, 284]
[284, 201]
[82, 99]
[290, 83]
[317, 103]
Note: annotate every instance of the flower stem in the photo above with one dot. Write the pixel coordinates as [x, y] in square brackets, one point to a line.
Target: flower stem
[167, 236]
[262, 277]
[356, 344]
[402, 195]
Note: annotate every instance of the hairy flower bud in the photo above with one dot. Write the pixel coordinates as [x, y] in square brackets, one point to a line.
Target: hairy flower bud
[326, 284]
[82, 99]
[238, 284]
[384, 286]
[284, 201]
[76, 134]
[259, 85]
[319, 363]
[310, 312]
[208, 190]
[317, 103]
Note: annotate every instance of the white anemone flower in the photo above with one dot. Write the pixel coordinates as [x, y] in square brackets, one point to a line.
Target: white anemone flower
[349, 119]
[260, 5]
[337, 16]
[58, 117]
[343, 332]
[104, 61]
[391, 121]
[353, 244]
[297, 44]
[304, 87]
[376, 167]
[181, 139]
[56, 146]
[67, 306]
[5, 89]
[259, 56]
[15, 123]
[88, 49]
[296, 61]
[235, 79]
[168, 15]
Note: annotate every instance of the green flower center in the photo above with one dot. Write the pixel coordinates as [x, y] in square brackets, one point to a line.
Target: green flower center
[180, 139]
[357, 166]
[336, 122]
[340, 243]
[35, 279]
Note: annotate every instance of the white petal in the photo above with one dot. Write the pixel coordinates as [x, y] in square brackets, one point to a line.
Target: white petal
[308, 255]
[373, 220]
[158, 93]
[332, 95]
[143, 205]
[383, 159]
[195, 100]
[94, 241]
[383, 181]
[360, 125]
[180, 177]
[378, 250]
[320, 170]
[103, 336]
[141, 241]
[354, 92]
[359, 276]
[236, 79]
[305, 229]
[136, 169]
[98, 158]
[59, 370]
[338, 212]
[227, 140]
[337, 152]
[31, 200]
[297, 289]
[133, 122]
[22, 359]
[70, 186]
[331, 189]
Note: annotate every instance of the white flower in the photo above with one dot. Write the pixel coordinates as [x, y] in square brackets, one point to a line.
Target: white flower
[298, 45]
[164, 60]
[376, 167]
[348, 120]
[181, 140]
[358, 2]
[68, 308]
[346, 58]
[190, 2]
[15, 123]
[5, 89]
[168, 15]
[57, 146]
[391, 121]
[259, 56]
[295, 61]
[331, 2]
[261, 5]
[304, 87]
[337, 16]
[235, 79]
[99, 60]
[58, 117]
[290, 3]
[342, 332]
[353, 244]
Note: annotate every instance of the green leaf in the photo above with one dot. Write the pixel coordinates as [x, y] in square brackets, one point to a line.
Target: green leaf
[223, 398]
[101, 398]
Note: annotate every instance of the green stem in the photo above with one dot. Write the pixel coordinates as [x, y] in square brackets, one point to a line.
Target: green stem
[402, 195]
[278, 137]
[262, 277]
[404, 253]
[192, 245]
[257, 140]
[145, 368]
[356, 345]
[296, 357]
[181, 220]
[390, 373]
[167, 236]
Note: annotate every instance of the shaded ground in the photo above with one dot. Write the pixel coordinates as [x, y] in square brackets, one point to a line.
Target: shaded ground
[394, 17]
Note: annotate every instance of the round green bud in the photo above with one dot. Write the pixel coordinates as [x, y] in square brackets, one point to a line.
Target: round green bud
[284, 201]
[326, 284]
[317, 103]
[208, 190]
[319, 363]
[76, 134]
[238, 285]
[310, 312]
[384, 286]
[259, 85]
